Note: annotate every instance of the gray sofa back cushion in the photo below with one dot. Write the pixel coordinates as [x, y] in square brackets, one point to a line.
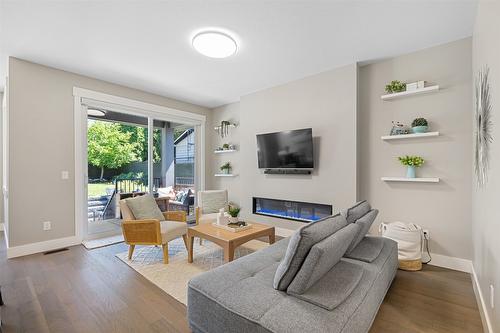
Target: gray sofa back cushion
[322, 257]
[367, 250]
[334, 287]
[300, 244]
[353, 213]
[364, 222]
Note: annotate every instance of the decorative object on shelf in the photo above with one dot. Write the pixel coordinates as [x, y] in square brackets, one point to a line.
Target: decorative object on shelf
[412, 162]
[222, 219]
[234, 211]
[395, 87]
[483, 126]
[225, 146]
[411, 86]
[399, 128]
[420, 84]
[419, 125]
[226, 168]
[223, 128]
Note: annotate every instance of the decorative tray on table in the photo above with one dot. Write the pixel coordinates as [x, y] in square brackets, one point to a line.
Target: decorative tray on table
[234, 227]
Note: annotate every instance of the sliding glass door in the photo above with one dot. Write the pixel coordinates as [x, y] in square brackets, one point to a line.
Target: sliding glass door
[130, 155]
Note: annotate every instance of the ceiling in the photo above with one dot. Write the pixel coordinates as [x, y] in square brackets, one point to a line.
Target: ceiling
[147, 44]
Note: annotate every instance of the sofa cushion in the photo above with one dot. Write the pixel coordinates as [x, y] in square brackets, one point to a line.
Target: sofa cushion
[145, 207]
[171, 230]
[321, 259]
[300, 244]
[355, 212]
[367, 250]
[334, 287]
[364, 222]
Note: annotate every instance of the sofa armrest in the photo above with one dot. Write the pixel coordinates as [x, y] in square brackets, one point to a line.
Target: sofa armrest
[177, 215]
[142, 232]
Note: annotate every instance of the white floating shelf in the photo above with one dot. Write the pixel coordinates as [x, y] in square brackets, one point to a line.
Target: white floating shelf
[409, 136]
[420, 91]
[230, 125]
[411, 180]
[225, 175]
[224, 151]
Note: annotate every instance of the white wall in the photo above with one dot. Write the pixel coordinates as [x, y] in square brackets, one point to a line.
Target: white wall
[327, 103]
[443, 208]
[485, 213]
[42, 145]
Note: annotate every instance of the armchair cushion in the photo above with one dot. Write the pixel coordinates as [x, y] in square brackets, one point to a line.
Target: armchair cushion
[212, 201]
[144, 207]
[171, 230]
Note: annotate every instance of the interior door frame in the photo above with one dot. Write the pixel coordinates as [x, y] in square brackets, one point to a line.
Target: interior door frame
[84, 98]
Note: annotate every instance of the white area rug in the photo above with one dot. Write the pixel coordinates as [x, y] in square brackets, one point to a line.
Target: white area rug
[100, 242]
[173, 277]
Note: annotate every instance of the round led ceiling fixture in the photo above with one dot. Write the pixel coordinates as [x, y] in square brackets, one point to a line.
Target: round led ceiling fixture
[96, 113]
[214, 44]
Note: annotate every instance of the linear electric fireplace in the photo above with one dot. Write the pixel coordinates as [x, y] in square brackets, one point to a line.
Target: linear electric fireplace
[291, 210]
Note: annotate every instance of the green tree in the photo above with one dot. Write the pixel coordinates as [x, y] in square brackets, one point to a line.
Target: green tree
[139, 135]
[109, 146]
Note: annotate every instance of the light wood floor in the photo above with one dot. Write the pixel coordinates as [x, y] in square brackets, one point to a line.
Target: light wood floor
[92, 291]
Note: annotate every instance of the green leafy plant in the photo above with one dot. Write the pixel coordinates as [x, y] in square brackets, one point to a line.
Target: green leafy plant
[225, 146]
[234, 211]
[419, 122]
[415, 161]
[395, 86]
[226, 166]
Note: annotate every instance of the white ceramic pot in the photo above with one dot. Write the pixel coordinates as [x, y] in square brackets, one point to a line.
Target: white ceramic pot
[233, 219]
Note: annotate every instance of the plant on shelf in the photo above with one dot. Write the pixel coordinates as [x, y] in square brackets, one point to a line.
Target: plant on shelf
[412, 162]
[419, 125]
[223, 128]
[225, 146]
[226, 168]
[395, 87]
[234, 211]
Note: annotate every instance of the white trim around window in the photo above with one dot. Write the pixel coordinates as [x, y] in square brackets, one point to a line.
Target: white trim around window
[84, 98]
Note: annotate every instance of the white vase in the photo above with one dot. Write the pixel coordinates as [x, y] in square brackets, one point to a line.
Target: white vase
[233, 219]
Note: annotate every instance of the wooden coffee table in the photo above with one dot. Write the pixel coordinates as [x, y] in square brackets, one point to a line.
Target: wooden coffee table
[226, 239]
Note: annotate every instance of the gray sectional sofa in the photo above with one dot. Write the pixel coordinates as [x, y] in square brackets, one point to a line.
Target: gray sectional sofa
[327, 277]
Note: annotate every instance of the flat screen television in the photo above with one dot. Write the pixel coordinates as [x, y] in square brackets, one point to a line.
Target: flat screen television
[286, 150]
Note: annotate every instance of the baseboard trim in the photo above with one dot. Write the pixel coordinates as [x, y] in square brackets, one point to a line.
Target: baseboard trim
[457, 264]
[53, 244]
[485, 318]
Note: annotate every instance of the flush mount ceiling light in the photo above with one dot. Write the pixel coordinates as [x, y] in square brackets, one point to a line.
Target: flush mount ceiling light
[214, 44]
[96, 112]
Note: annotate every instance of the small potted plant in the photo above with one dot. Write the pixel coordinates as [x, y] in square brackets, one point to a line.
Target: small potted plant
[412, 162]
[419, 125]
[395, 87]
[234, 211]
[226, 168]
[225, 146]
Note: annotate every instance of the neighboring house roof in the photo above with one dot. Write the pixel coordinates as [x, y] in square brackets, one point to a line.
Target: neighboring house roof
[183, 135]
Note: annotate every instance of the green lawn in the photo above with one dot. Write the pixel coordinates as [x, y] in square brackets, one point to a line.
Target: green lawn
[95, 190]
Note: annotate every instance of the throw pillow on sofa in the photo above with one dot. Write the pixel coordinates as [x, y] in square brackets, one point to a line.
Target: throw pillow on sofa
[300, 244]
[353, 213]
[144, 207]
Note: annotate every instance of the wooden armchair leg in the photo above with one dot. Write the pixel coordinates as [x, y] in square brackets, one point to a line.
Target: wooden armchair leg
[130, 251]
[185, 239]
[165, 253]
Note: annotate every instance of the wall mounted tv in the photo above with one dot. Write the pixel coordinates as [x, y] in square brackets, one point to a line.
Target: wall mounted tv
[286, 150]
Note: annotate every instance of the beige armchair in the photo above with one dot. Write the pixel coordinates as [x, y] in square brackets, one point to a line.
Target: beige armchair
[152, 231]
[208, 205]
